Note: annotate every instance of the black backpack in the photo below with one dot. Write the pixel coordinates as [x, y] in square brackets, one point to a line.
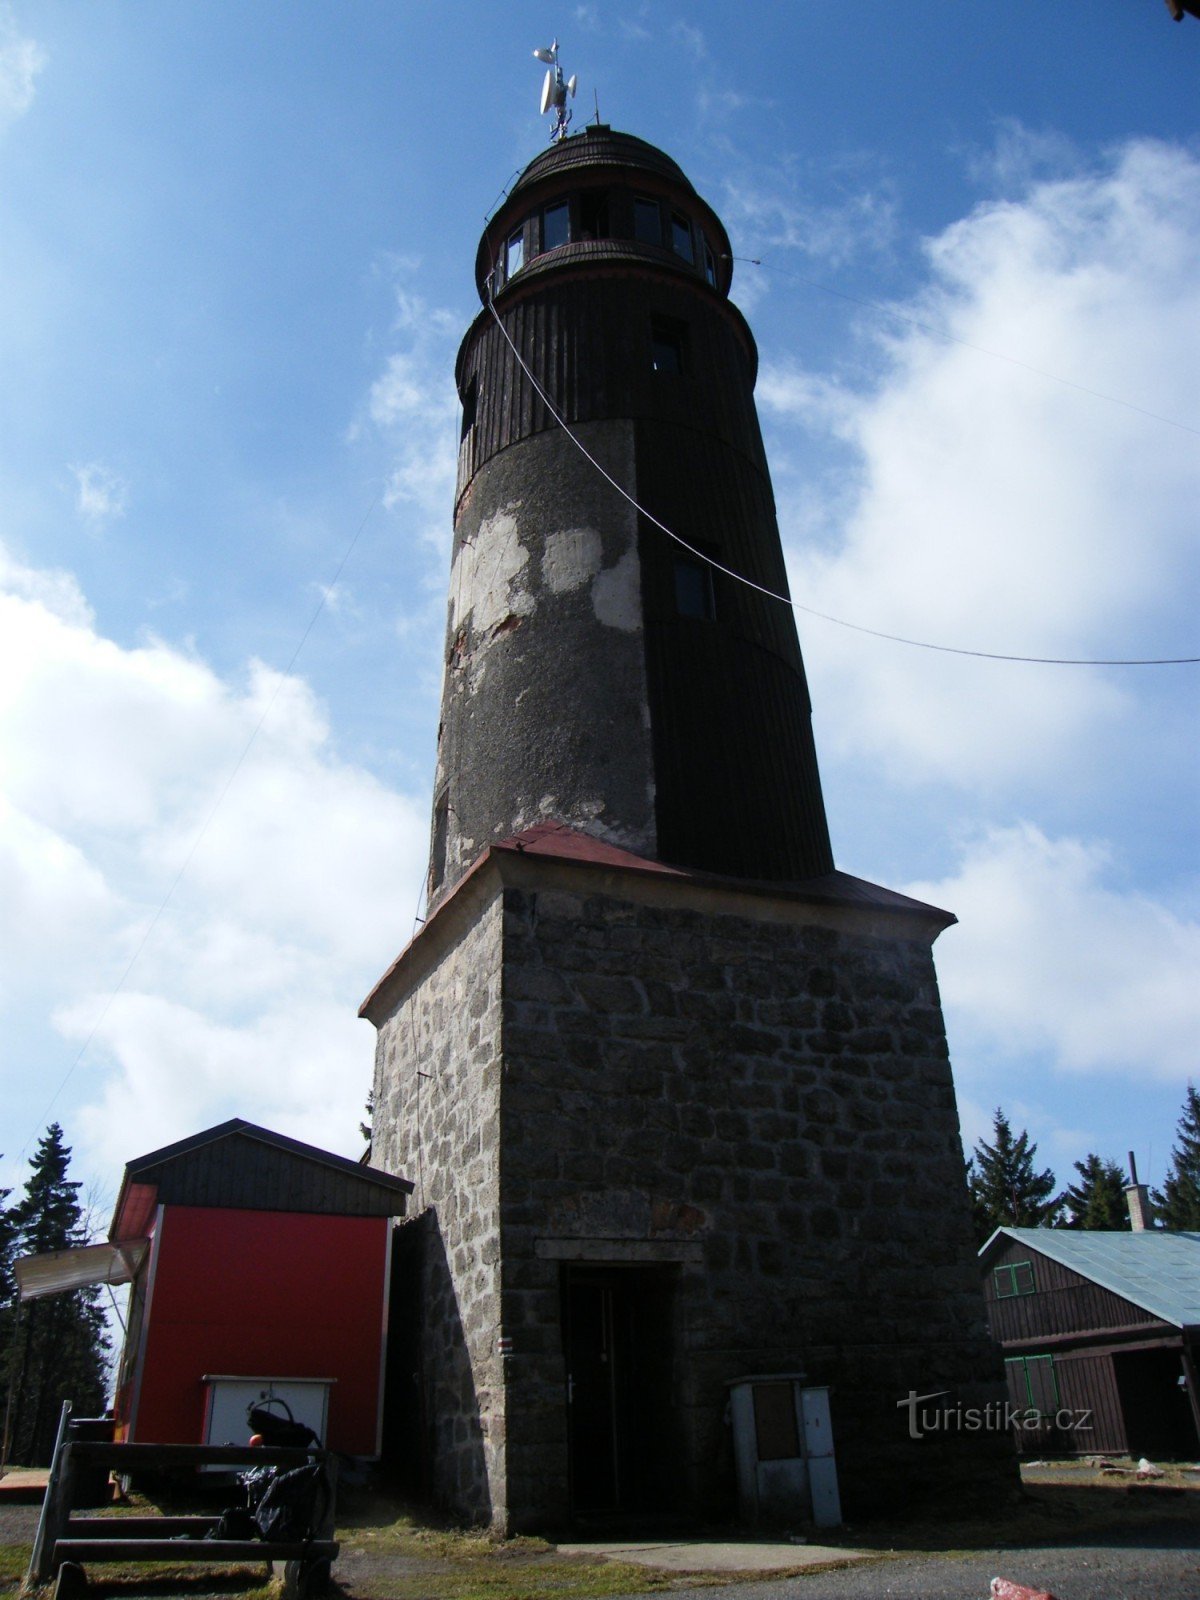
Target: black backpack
[284, 1431]
[294, 1503]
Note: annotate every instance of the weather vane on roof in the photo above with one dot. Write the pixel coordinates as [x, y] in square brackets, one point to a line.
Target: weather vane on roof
[555, 91]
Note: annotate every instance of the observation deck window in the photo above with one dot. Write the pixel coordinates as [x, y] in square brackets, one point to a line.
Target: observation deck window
[514, 254]
[593, 214]
[647, 221]
[681, 237]
[556, 226]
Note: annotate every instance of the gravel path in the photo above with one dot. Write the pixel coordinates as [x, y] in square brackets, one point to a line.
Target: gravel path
[1155, 1564]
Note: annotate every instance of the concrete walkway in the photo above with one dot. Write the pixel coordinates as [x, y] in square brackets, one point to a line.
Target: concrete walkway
[23, 1485]
[698, 1555]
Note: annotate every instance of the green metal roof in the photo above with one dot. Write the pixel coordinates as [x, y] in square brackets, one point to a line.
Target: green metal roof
[1156, 1270]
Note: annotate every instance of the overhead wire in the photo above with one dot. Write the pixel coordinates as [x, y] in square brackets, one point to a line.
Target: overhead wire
[967, 344]
[787, 600]
[700, 555]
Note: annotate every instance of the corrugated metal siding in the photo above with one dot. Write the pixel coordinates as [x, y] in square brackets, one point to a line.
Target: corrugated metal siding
[245, 1174]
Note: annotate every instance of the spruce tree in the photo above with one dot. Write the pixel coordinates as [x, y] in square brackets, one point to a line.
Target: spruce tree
[1005, 1189]
[1178, 1201]
[58, 1345]
[8, 1287]
[1098, 1199]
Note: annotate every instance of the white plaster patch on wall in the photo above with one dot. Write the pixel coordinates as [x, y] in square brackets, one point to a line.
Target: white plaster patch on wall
[617, 595]
[571, 558]
[486, 583]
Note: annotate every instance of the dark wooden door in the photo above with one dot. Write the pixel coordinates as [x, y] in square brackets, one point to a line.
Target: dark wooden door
[620, 1426]
[592, 1396]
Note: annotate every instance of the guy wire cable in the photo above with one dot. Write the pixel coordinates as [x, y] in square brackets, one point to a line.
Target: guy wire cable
[783, 599]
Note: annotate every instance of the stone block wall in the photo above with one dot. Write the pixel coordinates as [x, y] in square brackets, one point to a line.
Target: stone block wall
[437, 1110]
[751, 1092]
[779, 1095]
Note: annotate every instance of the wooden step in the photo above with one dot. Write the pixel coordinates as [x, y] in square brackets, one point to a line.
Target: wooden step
[138, 1527]
[187, 1551]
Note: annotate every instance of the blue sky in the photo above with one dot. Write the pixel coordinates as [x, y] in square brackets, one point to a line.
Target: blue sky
[236, 244]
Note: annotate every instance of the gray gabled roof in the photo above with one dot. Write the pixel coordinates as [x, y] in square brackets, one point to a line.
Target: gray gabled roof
[238, 1165]
[237, 1126]
[1154, 1269]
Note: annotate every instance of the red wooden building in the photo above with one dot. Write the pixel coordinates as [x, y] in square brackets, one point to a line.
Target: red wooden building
[263, 1272]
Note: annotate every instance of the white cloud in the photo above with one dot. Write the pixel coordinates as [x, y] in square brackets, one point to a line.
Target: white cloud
[786, 217]
[54, 898]
[54, 591]
[1053, 962]
[998, 510]
[691, 38]
[101, 494]
[21, 60]
[1020, 156]
[414, 404]
[302, 876]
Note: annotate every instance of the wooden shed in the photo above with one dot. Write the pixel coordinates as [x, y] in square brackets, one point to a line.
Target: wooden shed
[1099, 1332]
[264, 1272]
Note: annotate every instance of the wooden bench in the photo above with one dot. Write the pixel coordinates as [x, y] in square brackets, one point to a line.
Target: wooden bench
[65, 1545]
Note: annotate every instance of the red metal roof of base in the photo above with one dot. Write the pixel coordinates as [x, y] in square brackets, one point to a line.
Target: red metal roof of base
[559, 841]
[564, 843]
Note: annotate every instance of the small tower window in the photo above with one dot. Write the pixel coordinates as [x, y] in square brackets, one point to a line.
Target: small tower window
[593, 214]
[710, 264]
[556, 226]
[514, 255]
[647, 221]
[666, 344]
[437, 849]
[469, 402]
[681, 236]
[694, 595]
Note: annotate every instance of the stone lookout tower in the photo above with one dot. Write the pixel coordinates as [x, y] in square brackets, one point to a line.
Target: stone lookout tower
[675, 1091]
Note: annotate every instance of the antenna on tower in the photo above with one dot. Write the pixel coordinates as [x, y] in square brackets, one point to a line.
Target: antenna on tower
[555, 92]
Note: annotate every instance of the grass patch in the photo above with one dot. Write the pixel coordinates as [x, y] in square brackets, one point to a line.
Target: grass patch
[149, 1578]
[388, 1554]
[1063, 1500]
[14, 1562]
[577, 1578]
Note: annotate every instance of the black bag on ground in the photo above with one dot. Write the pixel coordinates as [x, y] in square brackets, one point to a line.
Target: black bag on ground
[235, 1522]
[292, 1505]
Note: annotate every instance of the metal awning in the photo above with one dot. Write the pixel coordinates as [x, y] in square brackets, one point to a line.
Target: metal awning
[81, 1268]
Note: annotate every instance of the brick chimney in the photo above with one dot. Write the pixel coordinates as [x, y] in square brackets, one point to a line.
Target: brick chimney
[1137, 1198]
